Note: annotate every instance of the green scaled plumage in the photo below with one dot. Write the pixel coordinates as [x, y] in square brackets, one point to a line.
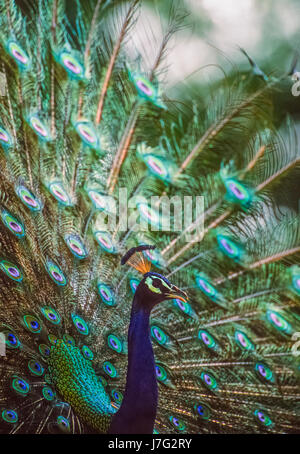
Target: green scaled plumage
[80, 121]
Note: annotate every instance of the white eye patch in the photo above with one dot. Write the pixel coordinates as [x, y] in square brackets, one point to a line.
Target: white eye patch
[149, 282]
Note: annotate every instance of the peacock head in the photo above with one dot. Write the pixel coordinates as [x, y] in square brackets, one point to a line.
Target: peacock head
[154, 287]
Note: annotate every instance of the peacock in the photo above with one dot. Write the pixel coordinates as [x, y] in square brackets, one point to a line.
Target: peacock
[134, 319]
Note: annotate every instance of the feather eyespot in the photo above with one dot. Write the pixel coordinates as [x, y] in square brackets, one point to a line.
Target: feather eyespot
[177, 423]
[264, 373]
[59, 193]
[11, 270]
[80, 325]
[110, 369]
[11, 339]
[5, 138]
[63, 424]
[9, 416]
[35, 368]
[15, 226]
[87, 352]
[20, 56]
[48, 393]
[51, 315]
[55, 273]
[263, 418]
[32, 202]
[76, 246]
[106, 294]
[20, 386]
[115, 343]
[243, 341]
[209, 381]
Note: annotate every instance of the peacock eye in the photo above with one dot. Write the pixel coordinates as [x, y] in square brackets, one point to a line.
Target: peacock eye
[264, 372]
[11, 340]
[209, 380]
[28, 198]
[32, 324]
[51, 315]
[39, 128]
[73, 67]
[106, 294]
[159, 335]
[9, 416]
[178, 424]
[262, 417]
[115, 343]
[5, 138]
[55, 273]
[12, 224]
[87, 352]
[44, 350]
[279, 322]
[63, 424]
[18, 54]
[202, 410]
[105, 241]
[35, 368]
[76, 246]
[20, 386]
[68, 339]
[11, 270]
[48, 393]
[59, 193]
[207, 339]
[88, 134]
[243, 341]
[117, 396]
[110, 369]
[80, 324]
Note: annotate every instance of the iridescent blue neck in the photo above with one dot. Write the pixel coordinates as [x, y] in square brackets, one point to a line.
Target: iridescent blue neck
[138, 410]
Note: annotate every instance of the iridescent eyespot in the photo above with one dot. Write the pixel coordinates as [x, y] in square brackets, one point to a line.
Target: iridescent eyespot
[133, 284]
[69, 339]
[71, 64]
[279, 322]
[48, 393]
[163, 375]
[51, 315]
[238, 193]
[28, 198]
[146, 90]
[208, 289]
[243, 341]
[63, 424]
[115, 343]
[159, 166]
[264, 372]
[149, 214]
[76, 246]
[117, 396]
[263, 418]
[296, 283]
[202, 410]
[55, 273]
[106, 294]
[110, 369]
[35, 368]
[88, 134]
[20, 56]
[207, 339]
[155, 258]
[11, 339]
[105, 241]
[87, 352]
[178, 424]
[9, 416]
[5, 138]
[229, 247]
[44, 350]
[80, 324]
[209, 380]
[11, 270]
[184, 307]
[101, 201]
[159, 335]
[12, 224]
[59, 193]
[20, 386]
[39, 128]
[32, 324]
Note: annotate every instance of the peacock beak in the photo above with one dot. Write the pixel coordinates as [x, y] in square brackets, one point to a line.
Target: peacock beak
[176, 293]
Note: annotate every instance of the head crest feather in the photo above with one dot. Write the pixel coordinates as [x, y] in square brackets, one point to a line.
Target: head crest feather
[136, 259]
